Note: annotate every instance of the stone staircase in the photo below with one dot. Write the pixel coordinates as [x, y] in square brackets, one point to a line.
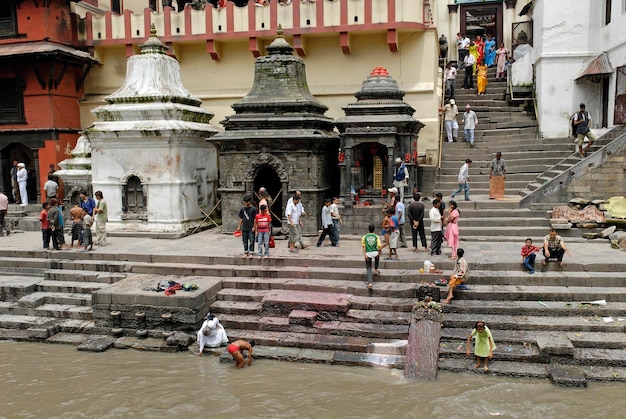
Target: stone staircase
[513, 131]
[554, 173]
[319, 310]
[541, 327]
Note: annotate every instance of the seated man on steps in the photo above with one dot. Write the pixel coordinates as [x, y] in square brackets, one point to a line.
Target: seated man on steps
[554, 247]
[459, 276]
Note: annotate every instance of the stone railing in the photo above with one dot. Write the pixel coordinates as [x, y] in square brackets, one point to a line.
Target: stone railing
[232, 22]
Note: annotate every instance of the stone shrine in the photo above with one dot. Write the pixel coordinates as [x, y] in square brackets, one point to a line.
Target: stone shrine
[76, 172]
[376, 130]
[149, 155]
[278, 138]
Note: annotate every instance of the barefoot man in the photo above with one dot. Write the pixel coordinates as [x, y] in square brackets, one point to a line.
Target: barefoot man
[235, 349]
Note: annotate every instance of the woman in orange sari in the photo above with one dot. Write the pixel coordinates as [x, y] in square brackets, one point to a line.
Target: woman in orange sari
[481, 79]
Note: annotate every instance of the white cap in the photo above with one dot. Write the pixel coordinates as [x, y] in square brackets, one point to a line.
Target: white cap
[452, 102]
[467, 106]
[393, 190]
[398, 160]
[21, 165]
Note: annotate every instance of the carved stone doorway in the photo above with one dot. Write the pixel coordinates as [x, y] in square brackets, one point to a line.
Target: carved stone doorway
[23, 154]
[267, 177]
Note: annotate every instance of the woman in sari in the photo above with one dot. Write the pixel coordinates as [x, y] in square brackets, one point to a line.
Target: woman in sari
[452, 228]
[490, 51]
[502, 56]
[480, 44]
[481, 79]
[473, 50]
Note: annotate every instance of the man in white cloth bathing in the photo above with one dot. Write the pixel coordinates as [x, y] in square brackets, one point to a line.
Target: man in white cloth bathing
[211, 334]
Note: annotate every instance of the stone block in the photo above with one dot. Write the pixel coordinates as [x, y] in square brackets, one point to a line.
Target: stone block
[567, 375]
[567, 226]
[590, 236]
[283, 302]
[97, 344]
[555, 344]
[303, 317]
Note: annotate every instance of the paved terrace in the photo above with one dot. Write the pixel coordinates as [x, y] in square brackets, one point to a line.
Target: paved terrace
[214, 243]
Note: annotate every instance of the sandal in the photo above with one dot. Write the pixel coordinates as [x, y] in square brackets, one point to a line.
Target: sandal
[376, 272]
[369, 286]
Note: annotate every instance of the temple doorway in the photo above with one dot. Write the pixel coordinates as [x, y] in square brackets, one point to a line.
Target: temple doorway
[481, 20]
[23, 154]
[268, 178]
[371, 166]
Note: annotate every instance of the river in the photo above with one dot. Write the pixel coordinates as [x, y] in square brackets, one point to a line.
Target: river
[57, 381]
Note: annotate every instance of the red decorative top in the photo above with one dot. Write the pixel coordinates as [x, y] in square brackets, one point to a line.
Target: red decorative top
[380, 72]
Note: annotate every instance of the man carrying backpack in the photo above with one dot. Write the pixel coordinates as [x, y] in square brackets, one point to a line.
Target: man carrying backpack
[580, 125]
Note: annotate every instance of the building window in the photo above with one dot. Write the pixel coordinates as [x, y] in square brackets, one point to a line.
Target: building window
[11, 101]
[8, 22]
[607, 12]
[134, 205]
[116, 6]
[152, 4]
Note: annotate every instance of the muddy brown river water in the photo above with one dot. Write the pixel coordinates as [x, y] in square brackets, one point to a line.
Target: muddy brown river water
[57, 381]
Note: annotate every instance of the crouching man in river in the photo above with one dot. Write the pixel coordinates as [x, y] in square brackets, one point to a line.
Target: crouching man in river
[211, 334]
[237, 347]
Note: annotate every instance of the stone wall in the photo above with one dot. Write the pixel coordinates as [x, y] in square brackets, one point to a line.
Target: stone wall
[605, 181]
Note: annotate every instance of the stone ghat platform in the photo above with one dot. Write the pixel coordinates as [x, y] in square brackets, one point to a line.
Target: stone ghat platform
[315, 307]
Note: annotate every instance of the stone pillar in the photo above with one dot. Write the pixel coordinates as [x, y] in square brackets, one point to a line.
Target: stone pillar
[36, 165]
[422, 352]
[348, 176]
[391, 157]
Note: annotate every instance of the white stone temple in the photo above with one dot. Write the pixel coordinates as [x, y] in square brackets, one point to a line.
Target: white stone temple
[149, 153]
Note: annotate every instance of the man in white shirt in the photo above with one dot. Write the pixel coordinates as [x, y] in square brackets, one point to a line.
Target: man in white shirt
[22, 178]
[436, 228]
[293, 218]
[463, 180]
[450, 77]
[400, 214]
[450, 111]
[336, 217]
[327, 225]
[462, 43]
[302, 214]
[468, 63]
[469, 124]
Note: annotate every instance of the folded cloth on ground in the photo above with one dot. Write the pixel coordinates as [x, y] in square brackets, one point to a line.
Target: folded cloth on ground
[587, 214]
[616, 205]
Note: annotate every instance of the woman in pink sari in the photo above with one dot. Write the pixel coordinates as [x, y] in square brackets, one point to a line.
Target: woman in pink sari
[452, 228]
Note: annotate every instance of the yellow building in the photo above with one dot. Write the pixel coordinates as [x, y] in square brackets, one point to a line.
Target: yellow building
[340, 42]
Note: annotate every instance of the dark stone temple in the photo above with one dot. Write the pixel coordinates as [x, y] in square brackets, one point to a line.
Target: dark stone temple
[278, 138]
[376, 130]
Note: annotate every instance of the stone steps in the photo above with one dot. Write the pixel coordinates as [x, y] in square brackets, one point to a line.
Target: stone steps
[534, 323]
[496, 367]
[69, 286]
[38, 298]
[545, 293]
[508, 352]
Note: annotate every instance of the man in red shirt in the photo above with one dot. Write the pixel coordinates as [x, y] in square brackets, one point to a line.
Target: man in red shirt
[46, 232]
[262, 223]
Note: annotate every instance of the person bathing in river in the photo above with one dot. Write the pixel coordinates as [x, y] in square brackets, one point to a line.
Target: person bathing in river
[235, 349]
[211, 334]
[483, 345]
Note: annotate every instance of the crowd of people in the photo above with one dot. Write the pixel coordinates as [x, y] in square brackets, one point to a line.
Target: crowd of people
[84, 215]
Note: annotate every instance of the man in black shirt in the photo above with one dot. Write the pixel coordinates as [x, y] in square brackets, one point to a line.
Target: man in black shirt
[416, 218]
